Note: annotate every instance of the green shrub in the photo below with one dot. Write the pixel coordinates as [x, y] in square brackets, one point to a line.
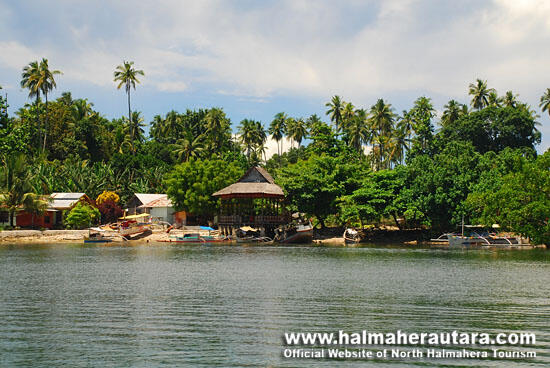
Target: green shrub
[82, 216]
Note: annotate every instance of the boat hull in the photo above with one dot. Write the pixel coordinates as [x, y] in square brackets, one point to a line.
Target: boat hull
[200, 240]
[97, 240]
[300, 237]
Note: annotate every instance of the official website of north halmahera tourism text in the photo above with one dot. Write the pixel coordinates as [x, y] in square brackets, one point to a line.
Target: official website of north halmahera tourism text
[345, 345]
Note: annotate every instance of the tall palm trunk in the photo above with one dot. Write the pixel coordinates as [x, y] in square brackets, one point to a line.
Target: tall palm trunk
[130, 118]
[38, 124]
[45, 124]
[12, 217]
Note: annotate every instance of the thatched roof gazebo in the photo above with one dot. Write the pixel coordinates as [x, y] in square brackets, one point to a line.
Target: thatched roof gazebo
[254, 200]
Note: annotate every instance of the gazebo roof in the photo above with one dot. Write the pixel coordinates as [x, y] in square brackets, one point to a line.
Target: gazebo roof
[256, 182]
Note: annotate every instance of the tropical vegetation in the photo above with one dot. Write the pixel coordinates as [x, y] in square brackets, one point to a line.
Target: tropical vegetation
[358, 165]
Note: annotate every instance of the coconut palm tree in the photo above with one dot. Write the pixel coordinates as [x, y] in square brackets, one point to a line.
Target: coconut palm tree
[405, 124]
[335, 110]
[297, 130]
[510, 99]
[381, 121]
[16, 191]
[217, 128]
[494, 100]
[188, 146]
[30, 79]
[357, 131]
[348, 114]
[277, 129]
[127, 76]
[453, 110]
[247, 132]
[157, 125]
[47, 84]
[134, 130]
[545, 101]
[172, 126]
[480, 94]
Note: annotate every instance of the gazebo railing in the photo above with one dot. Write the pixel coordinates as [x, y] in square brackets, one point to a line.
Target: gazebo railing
[258, 220]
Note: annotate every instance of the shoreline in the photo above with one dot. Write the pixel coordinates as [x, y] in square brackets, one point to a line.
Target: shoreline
[20, 237]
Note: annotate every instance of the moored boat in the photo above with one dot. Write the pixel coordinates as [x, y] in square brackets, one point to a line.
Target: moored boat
[351, 236]
[198, 238]
[96, 235]
[301, 232]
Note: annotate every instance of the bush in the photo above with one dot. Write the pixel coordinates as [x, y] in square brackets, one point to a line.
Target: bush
[110, 211]
[82, 216]
[107, 196]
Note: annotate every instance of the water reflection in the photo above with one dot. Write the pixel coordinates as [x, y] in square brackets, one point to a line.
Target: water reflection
[154, 305]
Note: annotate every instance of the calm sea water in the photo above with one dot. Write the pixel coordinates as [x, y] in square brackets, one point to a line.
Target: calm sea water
[205, 306]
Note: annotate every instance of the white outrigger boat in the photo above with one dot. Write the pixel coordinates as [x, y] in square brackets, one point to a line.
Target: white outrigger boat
[125, 227]
[475, 236]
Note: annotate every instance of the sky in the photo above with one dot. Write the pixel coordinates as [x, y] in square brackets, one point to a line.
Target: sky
[257, 58]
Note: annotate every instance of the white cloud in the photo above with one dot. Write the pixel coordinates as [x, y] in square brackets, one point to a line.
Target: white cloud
[171, 86]
[361, 50]
[13, 53]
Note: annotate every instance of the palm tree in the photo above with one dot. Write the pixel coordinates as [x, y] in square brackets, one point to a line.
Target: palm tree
[453, 110]
[400, 143]
[217, 126]
[188, 146]
[335, 110]
[545, 101]
[494, 100]
[157, 126]
[126, 75]
[381, 121]
[297, 130]
[47, 84]
[30, 79]
[81, 109]
[172, 126]
[134, 130]
[348, 115]
[16, 190]
[480, 94]
[405, 125]
[510, 99]
[357, 131]
[247, 135]
[261, 137]
[277, 129]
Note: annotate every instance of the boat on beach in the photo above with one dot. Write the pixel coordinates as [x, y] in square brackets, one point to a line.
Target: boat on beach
[299, 231]
[351, 236]
[96, 235]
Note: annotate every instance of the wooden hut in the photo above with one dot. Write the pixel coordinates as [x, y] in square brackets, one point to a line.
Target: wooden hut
[254, 200]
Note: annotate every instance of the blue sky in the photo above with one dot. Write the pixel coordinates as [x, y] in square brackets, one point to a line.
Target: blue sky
[257, 58]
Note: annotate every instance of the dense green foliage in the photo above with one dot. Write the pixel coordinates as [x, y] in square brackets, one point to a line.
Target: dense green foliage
[366, 165]
[314, 185]
[82, 216]
[518, 201]
[15, 189]
[191, 184]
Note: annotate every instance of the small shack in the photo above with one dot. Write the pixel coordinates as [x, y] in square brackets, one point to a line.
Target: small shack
[159, 206]
[254, 200]
[161, 209]
[53, 216]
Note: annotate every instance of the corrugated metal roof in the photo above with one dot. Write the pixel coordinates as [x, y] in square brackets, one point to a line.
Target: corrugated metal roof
[145, 198]
[64, 200]
[161, 202]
